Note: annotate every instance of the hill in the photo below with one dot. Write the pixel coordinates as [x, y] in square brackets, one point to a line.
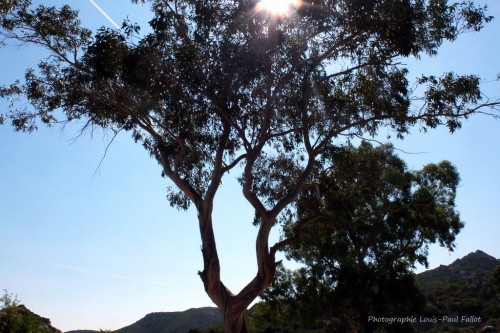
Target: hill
[170, 322]
[461, 289]
[474, 268]
[175, 322]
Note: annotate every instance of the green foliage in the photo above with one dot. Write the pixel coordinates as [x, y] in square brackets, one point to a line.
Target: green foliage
[203, 69]
[217, 328]
[445, 328]
[377, 221]
[9, 315]
[13, 320]
[194, 330]
[31, 324]
[495, 279]
[458, 298]
[467, 330]
[263, 318]
[8, 301]
[493, 322]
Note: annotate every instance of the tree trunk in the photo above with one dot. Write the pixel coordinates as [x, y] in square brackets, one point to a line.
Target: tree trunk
[363, 296]
[234, 323]
[363, 311]
[232, 307]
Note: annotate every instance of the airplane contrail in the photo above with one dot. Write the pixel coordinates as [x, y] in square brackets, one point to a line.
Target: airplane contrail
[104, 273]
[106, 15]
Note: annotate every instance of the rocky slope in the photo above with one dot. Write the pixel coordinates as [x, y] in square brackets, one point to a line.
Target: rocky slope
[474, 268]
[461, 289]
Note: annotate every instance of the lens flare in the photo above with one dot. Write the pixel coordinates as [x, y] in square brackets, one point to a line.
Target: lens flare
[278, 7]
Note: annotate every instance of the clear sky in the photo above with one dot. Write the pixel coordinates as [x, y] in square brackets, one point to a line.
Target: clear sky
[99, 247]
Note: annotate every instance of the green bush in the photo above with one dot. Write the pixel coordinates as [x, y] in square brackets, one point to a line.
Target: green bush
[13, 321]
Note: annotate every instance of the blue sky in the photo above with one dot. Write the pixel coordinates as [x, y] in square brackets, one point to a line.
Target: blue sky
[92, 246]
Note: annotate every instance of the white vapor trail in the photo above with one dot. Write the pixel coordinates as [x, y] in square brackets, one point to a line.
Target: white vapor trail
[106, 15]
[104, 273]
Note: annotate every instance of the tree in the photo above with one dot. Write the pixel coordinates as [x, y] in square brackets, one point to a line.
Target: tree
[224, 85]
[263, 318]
[9, 314]
[379, 221]
[15, 318]
[495, 279]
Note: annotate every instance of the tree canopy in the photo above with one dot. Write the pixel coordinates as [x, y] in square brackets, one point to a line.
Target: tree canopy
[219, 84]
[379, 219]
[15, 318]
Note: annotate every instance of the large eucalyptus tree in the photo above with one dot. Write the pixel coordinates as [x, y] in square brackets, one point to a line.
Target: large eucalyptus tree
[262, 85]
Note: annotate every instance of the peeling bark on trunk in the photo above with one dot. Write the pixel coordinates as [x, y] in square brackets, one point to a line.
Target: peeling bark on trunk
[234, 323]
[232, 307]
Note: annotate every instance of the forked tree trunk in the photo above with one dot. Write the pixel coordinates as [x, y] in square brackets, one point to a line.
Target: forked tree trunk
[232, 307]
[233, 314]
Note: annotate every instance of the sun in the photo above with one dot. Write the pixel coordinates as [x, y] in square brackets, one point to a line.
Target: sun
[278, 7]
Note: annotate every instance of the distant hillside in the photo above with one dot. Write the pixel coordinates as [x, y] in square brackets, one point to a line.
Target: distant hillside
[474, 268]
[170, 322]
[461, 289]
[175, 322]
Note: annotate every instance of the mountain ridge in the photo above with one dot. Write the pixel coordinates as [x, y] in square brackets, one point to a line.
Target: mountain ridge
[170, 322]
[474, 265]
[471, 273]
[461, 289]
[175, 322]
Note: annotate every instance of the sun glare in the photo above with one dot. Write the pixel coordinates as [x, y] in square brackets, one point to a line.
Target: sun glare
[278, 7]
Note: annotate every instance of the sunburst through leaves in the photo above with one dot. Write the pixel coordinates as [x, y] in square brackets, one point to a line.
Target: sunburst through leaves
[278, 7]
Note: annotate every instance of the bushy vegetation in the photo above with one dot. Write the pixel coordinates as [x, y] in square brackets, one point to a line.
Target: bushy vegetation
[14, 320]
